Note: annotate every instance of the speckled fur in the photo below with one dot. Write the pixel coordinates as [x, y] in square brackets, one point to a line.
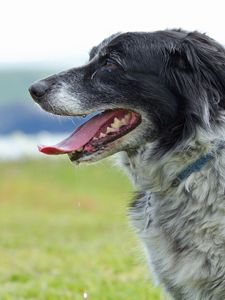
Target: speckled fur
[175, 80]
[182, 228]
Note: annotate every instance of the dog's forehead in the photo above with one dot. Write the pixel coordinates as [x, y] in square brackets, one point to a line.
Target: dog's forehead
[102, 46]
[140, 40]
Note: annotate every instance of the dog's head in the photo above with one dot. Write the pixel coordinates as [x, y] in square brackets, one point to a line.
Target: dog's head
[145, 87]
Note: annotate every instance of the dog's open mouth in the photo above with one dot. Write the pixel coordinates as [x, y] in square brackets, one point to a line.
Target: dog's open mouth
[96, 135]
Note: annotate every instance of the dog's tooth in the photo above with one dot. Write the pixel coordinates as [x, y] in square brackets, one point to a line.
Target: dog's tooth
[102, 135]
[123, 121]
[127, 117]
[95, 138]
[110, 129]
[116, 124]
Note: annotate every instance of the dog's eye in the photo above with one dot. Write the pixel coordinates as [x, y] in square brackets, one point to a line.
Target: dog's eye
[109, 65]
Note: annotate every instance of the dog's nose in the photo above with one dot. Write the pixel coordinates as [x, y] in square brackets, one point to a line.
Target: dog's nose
[38, 89]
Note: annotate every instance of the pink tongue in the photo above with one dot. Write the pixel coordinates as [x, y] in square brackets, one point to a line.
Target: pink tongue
[81, 136]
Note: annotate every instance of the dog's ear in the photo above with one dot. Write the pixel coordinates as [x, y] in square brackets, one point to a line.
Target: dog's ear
[179, 59]
[199, 64]
[210, 64]
[195, 71]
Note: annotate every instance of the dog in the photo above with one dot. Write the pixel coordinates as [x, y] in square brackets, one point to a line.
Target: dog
[159, 99]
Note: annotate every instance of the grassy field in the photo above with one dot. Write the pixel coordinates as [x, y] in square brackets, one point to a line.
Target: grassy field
[64, 234]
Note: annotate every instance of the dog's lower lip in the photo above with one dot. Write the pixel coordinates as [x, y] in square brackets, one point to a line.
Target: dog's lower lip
[94, 134]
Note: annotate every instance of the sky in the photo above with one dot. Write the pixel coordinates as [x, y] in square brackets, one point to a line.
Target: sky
[55, 31]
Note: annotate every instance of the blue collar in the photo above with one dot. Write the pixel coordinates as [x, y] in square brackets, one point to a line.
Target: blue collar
[198, 164]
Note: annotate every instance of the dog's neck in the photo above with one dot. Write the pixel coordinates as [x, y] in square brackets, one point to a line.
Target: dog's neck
[159, 175]
[185, 223]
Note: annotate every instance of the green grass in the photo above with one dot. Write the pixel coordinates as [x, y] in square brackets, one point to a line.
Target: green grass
[64, 232]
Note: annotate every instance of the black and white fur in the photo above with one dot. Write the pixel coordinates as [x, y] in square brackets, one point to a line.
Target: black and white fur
[176, 81]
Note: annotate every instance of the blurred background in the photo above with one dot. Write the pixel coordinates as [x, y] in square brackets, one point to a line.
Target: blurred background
[63, 230]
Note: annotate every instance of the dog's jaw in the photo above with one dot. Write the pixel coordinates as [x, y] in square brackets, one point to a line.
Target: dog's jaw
[102, 135]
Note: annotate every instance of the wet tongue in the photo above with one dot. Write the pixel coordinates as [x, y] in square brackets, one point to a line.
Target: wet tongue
[81, 136]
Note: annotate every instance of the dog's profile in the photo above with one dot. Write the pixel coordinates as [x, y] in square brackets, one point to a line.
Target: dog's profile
[161, 103]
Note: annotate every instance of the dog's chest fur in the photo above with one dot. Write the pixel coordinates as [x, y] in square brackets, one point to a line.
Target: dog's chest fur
[183, 227]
